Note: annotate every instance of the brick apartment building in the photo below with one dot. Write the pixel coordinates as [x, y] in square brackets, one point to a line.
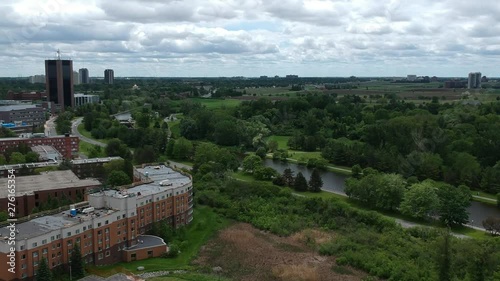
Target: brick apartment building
[111, 228]
[33, 96]
[83, 168]
[33, 191]
[66, 145]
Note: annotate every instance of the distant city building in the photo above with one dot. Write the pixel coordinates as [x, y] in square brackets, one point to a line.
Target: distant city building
[32, 96]
[474, 81]
[83, 75]
[76, 78]
[453, 84]
[109, 76]
[81, 99]
[27, 114]
[484, 79]
[434, 79]
[292, 76]
[36, 79]
[263, 77]
[66, 145]
[411, 77]
[59, 82]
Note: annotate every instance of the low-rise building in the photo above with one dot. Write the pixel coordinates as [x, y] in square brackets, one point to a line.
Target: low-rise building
[66, 145]
[109, 228]
[28, 114]
[46, 153]
[34, 191]
[81, 99]
[91, 168]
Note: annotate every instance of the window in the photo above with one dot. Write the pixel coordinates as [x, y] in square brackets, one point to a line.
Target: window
[35, 254]
[100, 256]
[150, 254]
[45, 251]
[99, 232]
[106, 222]
[99, 225]
[106, 230]
[108, 253]
[23, 256]
[34, 244]
[44, 241]
[58, 236]
[77, 231]
[52, 238]
[23, 266]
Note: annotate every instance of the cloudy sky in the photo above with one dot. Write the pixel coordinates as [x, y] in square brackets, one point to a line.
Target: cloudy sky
[253, 37]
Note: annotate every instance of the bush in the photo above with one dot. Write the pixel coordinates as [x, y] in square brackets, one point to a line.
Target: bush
[173, 250]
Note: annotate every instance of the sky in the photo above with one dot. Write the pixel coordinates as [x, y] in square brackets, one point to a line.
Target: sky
[211, 38]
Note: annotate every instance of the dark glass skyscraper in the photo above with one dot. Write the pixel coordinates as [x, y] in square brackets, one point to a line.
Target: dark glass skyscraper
[83, 73]
[109, 76]
[59, 82]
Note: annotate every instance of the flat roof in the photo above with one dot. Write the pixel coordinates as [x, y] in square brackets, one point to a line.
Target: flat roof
[95, 160]
[84, 95]
[163, 179]
[18, 107]
[35, 138]
[41, 225]
[146, 241]
[46, 181]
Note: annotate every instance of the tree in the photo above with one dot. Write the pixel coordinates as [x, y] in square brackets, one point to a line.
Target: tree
[118, 178]
[420, 201]
[183, 149]
[261, 152]
[31, 157]
[356, 171]
[444, 258]
[288, 177]
[453, 203]
[300, 183]
[265, 173]
[170, 148]
[389, 191]
[43, 273]
[315, 182]
[76, 263]
[251, 163]
[17, 158]
[144, 154]
[226, 133]
[3, 161]
[272, 145]
[116, 147]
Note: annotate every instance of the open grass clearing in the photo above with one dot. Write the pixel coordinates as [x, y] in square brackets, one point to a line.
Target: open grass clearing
[205, 224]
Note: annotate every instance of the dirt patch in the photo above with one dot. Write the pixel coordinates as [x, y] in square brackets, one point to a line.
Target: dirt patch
[246, 253]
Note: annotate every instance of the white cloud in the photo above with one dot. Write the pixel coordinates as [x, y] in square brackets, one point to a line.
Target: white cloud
[252, 38]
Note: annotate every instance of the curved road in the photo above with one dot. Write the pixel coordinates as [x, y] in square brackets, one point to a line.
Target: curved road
[74, 131]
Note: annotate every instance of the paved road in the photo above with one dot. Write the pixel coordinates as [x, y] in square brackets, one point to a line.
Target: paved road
[484, 198]
[74, 131]
[50, 127]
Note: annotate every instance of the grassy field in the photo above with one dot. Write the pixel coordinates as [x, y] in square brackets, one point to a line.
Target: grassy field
[217, 103]
[85, 133]
[205, 224]
[85, 147]
[175, 128]
[281, 140]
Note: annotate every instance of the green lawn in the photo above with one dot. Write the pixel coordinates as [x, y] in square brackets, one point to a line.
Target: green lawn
[205, 224]
[175, 128]
[242, 176]
[85, 133]
[217, 103]
[85, 147]
[282, 141]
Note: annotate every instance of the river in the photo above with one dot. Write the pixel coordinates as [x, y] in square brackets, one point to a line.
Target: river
[334, 182]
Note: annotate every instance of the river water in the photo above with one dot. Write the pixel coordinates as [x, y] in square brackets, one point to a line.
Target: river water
[334, 182]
